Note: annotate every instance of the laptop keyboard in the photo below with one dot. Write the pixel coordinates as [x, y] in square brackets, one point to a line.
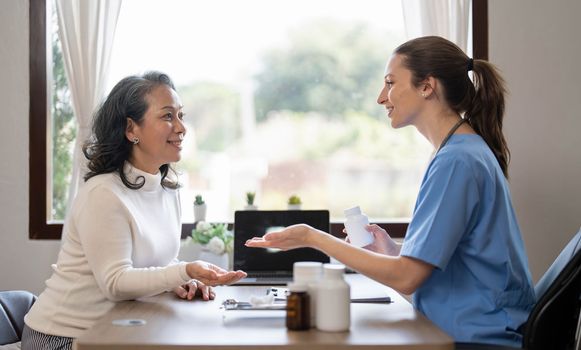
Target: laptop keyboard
[269, 275]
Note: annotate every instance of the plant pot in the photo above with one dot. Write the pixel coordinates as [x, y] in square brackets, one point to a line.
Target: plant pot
[199, 212]
[189, 250]
[294, 207]
[222, 260]
[250, 207]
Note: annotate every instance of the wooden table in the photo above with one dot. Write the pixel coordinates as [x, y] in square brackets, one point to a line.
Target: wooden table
[173, 323]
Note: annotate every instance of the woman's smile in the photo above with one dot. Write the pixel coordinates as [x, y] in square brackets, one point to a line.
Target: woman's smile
[176, 143]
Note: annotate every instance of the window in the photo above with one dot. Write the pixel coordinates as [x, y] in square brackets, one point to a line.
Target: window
[235, 121]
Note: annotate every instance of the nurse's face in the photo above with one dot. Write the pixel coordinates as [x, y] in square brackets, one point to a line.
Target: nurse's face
[400, 97]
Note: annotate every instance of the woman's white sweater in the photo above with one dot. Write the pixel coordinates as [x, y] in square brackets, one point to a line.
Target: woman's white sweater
[117, 244]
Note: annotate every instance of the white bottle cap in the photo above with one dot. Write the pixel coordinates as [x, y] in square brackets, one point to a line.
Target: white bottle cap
[352, 211]
[307, 271]
[297, 287]
[333, 271]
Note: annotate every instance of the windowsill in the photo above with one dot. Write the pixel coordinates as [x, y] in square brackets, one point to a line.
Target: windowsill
[396, 228]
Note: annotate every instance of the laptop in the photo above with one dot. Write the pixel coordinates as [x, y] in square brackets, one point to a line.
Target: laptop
[266, 266]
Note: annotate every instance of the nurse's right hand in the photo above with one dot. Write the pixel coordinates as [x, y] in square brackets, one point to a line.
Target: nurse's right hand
[382, 241]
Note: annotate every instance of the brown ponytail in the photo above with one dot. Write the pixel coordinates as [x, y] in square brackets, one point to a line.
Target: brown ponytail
[486, 110]
[482, 102]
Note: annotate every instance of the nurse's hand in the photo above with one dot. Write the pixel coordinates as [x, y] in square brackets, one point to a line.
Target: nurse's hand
[382, 241]
[212, 275]
[295, 236]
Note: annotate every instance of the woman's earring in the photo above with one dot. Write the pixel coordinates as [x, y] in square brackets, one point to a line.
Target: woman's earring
[423, 94]
[135, 140]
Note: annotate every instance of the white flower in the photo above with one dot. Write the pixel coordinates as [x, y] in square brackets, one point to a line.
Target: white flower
[216, 246]
[203, 226]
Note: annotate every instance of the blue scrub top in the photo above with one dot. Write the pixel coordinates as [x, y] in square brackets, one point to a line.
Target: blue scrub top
[465, 226]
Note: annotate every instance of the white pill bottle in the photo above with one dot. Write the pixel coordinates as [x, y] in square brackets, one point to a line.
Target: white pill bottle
[333, 300]
[309, 273]
[355, 224]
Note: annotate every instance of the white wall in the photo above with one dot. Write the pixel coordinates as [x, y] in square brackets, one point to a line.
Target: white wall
[533, 42]
[536, 44]
[24, 264]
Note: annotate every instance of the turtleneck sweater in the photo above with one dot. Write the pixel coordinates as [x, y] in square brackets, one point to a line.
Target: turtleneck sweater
[117, 244]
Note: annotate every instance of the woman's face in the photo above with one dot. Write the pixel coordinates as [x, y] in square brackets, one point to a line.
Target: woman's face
[400, 97]
[160, 132]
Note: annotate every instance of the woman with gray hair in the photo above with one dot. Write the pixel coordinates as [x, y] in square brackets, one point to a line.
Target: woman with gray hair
[122, 234]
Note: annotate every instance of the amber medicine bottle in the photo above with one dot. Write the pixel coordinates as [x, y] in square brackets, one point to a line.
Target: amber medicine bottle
[298, 315]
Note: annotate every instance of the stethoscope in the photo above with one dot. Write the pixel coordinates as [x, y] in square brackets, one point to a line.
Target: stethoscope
[450, 133]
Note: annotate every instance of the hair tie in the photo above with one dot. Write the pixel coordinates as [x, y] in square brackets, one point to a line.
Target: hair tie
[470, 65]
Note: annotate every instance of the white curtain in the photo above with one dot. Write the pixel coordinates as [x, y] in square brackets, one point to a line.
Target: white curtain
[86, 32]
[449, 19]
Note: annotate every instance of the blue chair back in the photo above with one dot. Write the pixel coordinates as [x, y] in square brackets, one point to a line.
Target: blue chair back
[13, 306]
[553, 321]
[566, 255]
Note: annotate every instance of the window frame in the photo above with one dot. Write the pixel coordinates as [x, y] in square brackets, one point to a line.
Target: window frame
[40, 227]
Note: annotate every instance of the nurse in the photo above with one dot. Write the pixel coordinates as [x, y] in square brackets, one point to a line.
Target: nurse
[463, 258]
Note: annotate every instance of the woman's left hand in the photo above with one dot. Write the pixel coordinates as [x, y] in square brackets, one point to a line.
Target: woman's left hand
[291, 237]
[195, 288]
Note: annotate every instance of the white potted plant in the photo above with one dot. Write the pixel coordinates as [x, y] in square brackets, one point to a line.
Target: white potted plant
[250, 196]
[217, 243]
[199, 209]
[294, 202]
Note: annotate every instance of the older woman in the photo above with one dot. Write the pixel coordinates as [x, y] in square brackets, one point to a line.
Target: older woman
[122, 234]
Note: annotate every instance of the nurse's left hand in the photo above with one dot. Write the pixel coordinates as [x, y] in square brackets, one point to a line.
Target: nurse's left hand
[291, 237]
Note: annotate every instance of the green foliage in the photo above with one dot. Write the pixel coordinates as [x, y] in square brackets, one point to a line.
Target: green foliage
[250, 198]
[204, 232]
[294, 199]
[329, 67]
[63, 133]
[212, 113]
[198, 200]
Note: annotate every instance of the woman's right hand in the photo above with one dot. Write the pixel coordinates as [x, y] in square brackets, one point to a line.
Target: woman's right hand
[382, 241]
[212, 275]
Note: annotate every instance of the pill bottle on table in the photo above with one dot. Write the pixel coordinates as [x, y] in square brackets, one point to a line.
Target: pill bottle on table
[309, 273]
[298, 316]
[334, 300]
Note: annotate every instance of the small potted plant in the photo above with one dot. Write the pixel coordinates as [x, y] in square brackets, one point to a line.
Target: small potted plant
[250, 201]
[294, 202]
[209, 242]
[199, 209]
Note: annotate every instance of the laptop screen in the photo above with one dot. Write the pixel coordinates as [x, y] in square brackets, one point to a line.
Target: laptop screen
[255, 223]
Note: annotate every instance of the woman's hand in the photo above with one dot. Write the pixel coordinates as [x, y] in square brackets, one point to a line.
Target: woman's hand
[195, 288]
[295, 236]
[212, 275]
[382, 241]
